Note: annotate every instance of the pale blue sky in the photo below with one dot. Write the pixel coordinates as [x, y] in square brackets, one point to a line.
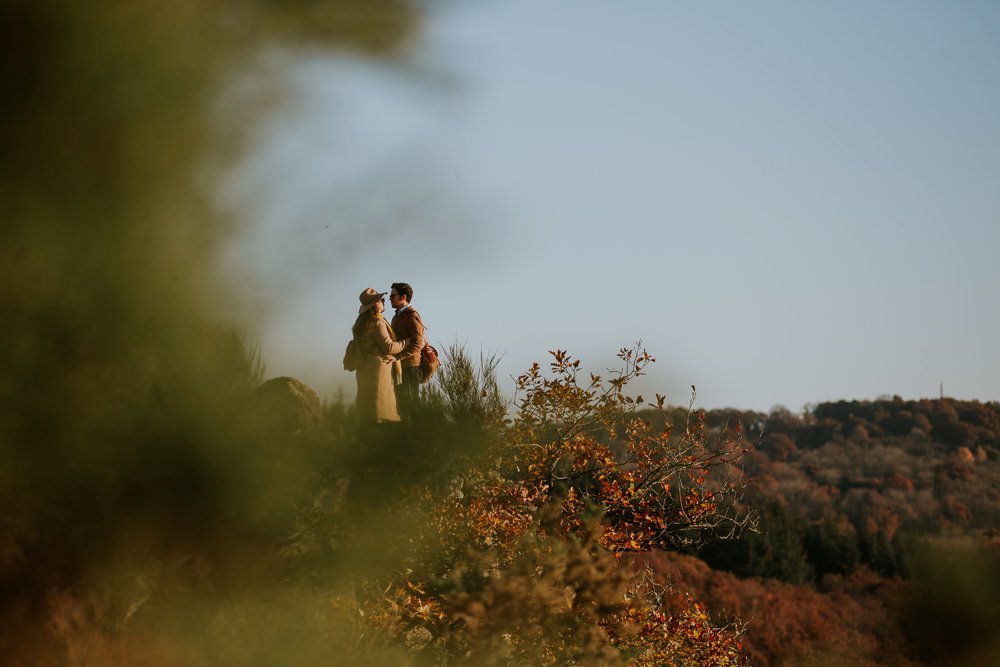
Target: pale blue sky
[788, 202]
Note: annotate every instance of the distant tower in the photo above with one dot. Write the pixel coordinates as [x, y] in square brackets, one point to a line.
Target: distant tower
[942, 390]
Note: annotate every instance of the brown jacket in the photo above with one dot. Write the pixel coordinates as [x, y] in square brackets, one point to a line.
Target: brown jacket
[408, 324]
[376, 397]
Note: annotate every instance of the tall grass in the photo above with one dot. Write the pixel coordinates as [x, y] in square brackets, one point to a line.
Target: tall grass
[465, 392]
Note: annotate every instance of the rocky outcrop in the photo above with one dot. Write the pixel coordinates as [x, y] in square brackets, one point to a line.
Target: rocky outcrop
[286, 406]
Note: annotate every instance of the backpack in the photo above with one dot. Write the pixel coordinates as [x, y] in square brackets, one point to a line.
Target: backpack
[353, 356]
[428, 362]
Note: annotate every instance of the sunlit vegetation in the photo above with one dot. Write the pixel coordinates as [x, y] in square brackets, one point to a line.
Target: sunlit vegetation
[518, 546]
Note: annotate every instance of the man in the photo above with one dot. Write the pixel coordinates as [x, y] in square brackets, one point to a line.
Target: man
[406, 323]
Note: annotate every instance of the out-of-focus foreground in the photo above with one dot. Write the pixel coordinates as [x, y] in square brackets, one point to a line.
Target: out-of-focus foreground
[120, 444]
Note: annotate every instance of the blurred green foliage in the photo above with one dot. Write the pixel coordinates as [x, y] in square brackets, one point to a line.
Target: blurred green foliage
[953, 616]
[106, 304]
[124, 466]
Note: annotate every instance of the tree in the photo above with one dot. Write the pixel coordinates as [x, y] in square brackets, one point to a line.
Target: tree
[776, 550]
[832, 546]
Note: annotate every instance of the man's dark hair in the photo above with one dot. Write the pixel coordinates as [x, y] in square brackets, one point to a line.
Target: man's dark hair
[403, 289]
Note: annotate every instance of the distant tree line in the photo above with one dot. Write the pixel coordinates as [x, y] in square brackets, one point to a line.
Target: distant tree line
[862, 483]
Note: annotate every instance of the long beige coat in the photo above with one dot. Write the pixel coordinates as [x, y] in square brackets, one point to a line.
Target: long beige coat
[376, 398]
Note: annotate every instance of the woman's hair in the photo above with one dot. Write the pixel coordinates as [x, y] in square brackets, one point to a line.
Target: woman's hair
[365, 322]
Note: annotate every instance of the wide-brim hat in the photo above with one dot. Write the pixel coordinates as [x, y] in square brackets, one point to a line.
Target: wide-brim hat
[368, 299]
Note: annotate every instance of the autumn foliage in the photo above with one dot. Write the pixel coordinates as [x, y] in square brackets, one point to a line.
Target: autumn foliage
[529, 558]
[877, 540]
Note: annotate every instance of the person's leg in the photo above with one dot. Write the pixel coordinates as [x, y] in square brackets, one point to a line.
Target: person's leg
[409, 392]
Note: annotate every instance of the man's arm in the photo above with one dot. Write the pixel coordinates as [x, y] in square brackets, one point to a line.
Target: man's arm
[416, 334]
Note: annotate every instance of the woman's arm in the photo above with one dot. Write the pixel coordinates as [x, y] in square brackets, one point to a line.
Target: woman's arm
[383, 342]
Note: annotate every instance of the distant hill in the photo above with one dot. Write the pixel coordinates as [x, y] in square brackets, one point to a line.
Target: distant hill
[860, 482]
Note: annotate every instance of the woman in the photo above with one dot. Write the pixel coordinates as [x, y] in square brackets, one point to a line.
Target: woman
[376, 400]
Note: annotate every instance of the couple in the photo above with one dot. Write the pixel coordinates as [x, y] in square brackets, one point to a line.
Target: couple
[391, 367]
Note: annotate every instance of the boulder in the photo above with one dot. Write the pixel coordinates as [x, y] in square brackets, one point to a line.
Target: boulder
[286, 406]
